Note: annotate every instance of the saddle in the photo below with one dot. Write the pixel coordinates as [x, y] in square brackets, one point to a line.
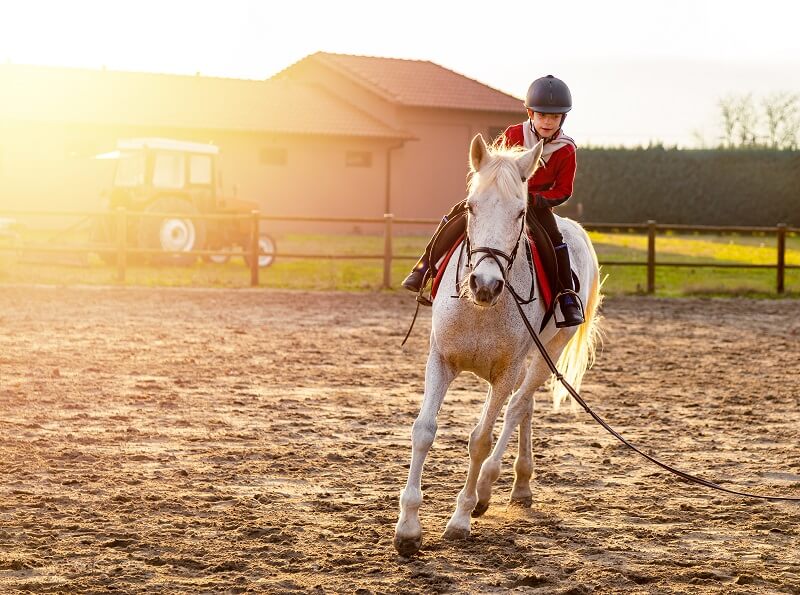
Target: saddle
[543, 262]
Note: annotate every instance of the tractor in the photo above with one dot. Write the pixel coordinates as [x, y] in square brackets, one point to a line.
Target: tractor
[181, 180]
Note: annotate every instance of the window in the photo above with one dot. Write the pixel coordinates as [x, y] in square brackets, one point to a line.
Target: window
[358, 159]
[200, 169]
[273, 156]
[168, 171]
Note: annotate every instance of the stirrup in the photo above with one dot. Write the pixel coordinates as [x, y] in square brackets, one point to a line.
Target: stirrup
[421, 299]
[563, 322]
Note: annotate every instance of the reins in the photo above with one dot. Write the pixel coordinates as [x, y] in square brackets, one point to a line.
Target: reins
[575, 395]
[519, 302]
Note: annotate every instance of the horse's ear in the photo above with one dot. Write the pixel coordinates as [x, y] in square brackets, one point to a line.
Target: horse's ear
[529, 161]
[477, 152]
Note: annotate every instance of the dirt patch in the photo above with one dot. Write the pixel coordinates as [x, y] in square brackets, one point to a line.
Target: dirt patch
[257, 441]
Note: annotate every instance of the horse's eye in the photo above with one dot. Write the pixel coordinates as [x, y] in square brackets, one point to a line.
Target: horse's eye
[521, 214]
[470, 209]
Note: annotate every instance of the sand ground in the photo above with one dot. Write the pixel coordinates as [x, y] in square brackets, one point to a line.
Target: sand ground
[257, 441]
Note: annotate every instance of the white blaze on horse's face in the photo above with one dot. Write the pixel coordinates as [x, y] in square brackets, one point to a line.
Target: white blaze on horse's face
[496, 205]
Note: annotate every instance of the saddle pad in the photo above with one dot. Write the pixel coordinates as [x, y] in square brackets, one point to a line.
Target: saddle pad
[545, 285]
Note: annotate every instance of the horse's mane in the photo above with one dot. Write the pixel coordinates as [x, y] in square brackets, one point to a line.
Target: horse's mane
[500, 170]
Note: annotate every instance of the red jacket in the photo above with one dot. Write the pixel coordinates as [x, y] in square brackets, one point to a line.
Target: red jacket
[551, 185]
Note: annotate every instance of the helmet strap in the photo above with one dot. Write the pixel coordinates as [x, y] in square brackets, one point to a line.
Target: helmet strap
[553, 136]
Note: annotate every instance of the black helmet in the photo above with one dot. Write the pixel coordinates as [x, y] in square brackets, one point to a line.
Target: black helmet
[549, 95]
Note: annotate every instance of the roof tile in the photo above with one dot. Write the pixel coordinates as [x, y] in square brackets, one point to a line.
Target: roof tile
[419, 83]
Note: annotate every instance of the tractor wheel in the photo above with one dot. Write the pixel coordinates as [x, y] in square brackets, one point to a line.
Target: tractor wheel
[180, 233]
[265, 245]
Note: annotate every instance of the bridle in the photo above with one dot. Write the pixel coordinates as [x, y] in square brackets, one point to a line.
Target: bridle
[496, 255]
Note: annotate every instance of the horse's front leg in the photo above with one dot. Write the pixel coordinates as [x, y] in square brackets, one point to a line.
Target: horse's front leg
[480, 443]
[438, 376]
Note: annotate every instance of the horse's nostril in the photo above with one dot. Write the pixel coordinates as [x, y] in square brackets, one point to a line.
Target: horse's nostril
[485, 290]
[473, 284]
[497, 287]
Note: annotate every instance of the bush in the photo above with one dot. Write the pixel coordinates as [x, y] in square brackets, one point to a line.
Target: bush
[707, 187]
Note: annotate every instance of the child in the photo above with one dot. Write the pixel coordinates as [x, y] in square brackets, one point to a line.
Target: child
[547, 102]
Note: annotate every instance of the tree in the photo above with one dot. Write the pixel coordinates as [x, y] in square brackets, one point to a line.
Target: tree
[739, 121]
[728, 112]
[777, 128]
[782, 119]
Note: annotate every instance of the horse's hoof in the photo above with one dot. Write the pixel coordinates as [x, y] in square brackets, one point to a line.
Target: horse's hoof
[479, 509]
[525, 502]
[456, 534]
[407, 546]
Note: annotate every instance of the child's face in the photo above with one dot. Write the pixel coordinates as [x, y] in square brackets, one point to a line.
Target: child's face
[545, 124]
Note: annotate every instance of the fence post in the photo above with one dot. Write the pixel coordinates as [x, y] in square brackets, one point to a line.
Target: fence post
[122, 243]
[254, 249]
[387, 250]
[651, 256]
[781, 256]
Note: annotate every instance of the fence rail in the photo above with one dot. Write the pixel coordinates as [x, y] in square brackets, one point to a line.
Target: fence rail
[122, 250]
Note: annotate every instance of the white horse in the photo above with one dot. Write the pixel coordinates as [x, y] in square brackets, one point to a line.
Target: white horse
[483, 333]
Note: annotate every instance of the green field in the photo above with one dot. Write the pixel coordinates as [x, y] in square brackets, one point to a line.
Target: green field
[25, 267]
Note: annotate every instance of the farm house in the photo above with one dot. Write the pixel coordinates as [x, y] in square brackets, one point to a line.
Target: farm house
[330, 135]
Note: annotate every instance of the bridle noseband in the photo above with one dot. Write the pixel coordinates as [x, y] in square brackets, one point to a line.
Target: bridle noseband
[494, 253]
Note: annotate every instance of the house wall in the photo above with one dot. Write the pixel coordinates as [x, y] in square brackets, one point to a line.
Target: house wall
[428, 174]
[46, 167]
[315, 180]
[431, 172]
[51, 166]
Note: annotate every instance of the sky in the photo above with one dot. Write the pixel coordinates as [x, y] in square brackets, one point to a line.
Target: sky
[639, 71]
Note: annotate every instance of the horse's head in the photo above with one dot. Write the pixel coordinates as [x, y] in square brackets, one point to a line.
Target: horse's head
[498, 196]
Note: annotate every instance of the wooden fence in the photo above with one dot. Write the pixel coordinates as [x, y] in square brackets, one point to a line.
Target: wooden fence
[388, 221]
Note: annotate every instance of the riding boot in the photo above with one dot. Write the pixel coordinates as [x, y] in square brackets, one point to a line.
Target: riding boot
[413, 282]
[568, 300]
[450, 230]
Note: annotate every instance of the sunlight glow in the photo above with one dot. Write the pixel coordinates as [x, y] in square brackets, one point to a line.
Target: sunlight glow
[641, 71]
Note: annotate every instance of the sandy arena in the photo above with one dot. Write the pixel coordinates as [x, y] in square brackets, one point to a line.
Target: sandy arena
[257, 441]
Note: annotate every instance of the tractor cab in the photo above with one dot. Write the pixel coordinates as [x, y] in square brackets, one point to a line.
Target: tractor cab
[149, 167]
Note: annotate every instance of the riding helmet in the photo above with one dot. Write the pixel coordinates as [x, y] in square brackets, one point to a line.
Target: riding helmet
[549, 95]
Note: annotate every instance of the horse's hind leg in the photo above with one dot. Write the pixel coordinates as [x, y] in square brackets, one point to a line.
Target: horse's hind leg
[490, 470]
[408, 532]
[521, 494]
[480, 443]
[518, 414]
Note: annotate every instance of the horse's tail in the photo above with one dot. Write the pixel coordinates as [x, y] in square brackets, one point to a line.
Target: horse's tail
[579, 354]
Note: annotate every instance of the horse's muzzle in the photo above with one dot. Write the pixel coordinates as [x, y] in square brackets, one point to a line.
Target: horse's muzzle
[485, 291]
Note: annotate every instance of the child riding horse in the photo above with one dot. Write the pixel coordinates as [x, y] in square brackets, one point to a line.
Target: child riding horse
[547, 102]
